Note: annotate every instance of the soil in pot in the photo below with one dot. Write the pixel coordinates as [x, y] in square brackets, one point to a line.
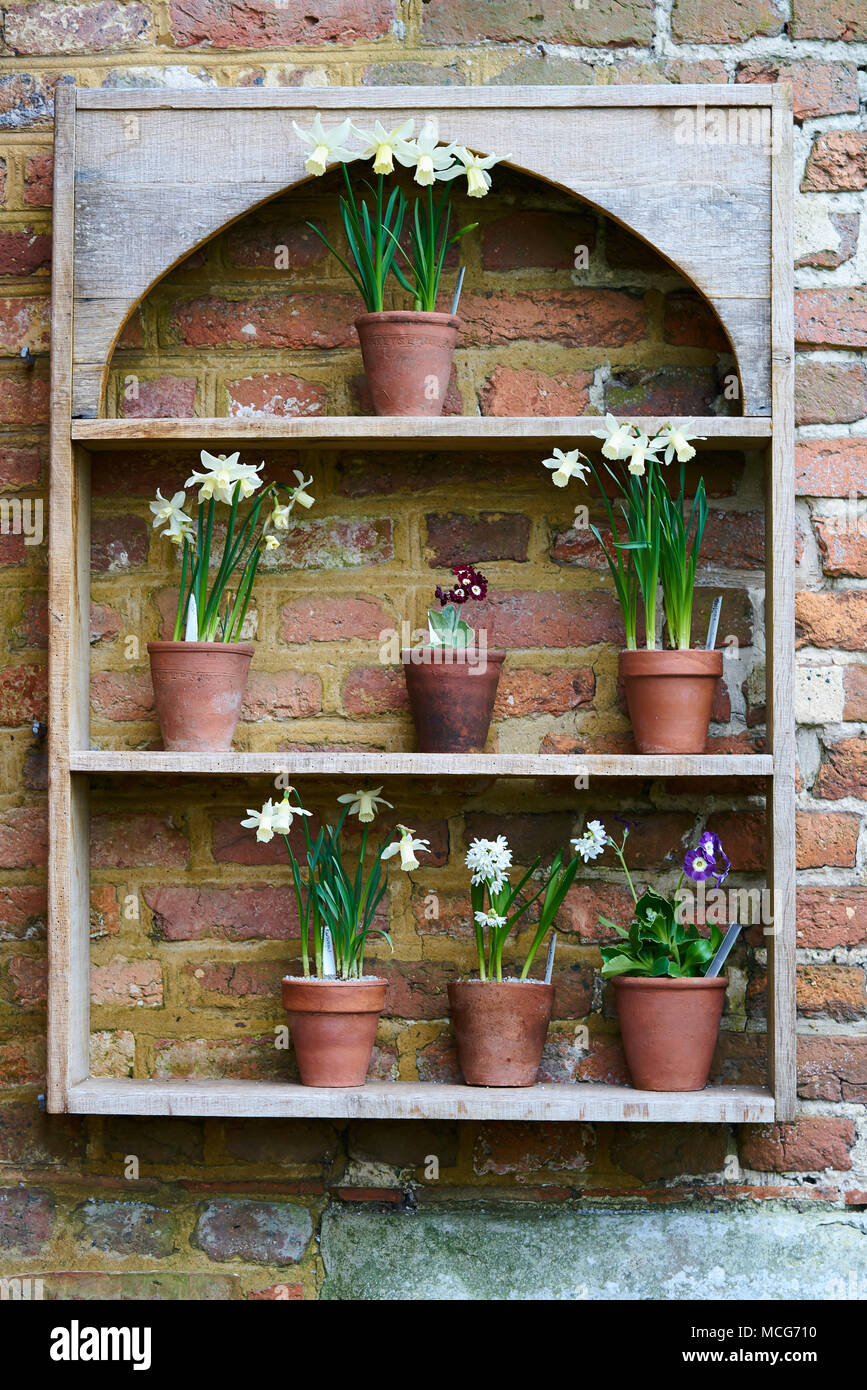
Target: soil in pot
[669, 695]
[333, 1025]
[407, 360]
[669, 1029]
[500, 1028]
[198, 690]
[451, 695]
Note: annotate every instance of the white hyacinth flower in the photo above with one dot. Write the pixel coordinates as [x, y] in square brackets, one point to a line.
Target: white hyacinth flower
[490, 919]
[489, 862]
[592, 843]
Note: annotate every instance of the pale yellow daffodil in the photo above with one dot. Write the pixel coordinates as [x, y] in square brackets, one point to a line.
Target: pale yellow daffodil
[429, 159]
[406, 847]
[364, 804]
[676, 439]
[326, 146]
[381, 143]
[476, 169]
[566, 466]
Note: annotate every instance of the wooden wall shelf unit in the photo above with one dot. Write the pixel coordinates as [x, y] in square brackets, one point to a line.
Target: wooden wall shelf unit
[133, 197]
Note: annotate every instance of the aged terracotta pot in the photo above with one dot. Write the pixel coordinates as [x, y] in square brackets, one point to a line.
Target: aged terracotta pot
[407, 359]
[198, 689]
[669, 1029]
[451, 699]
[500, 1028]
[669, 695]
[333, 1025]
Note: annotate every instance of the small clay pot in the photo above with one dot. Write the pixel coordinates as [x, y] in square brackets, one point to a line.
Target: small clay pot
[198, 690]
[669, 695]
[500, 1028]
[669, 1029]
[333, 1025]
[407, 360]
[451, 695]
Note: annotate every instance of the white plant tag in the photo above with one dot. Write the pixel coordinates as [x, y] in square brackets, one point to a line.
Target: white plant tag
[192, 632]
[329, 967]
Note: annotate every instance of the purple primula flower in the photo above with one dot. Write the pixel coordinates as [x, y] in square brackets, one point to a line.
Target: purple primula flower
[709, 860]
[697, 865]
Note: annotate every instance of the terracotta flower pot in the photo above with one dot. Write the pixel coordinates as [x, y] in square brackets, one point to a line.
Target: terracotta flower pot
[500, 1029]
[198, 689]
[451, 695]
[407, 360]
[333, 1025]
[669, 1029]
[669, 695]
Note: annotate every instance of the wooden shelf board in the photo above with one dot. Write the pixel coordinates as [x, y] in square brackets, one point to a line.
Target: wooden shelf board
[428, 764]
[399, 432]
[420, 1101]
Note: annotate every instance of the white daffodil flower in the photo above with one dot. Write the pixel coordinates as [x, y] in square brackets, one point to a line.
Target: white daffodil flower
[326, 146]
[592, 843]
[221, 475]
[280, 517]
[566, 466]
[641, 448]
[285, 813]
[406, 846]
[166, 511]
[262, 821]
[476, 169]
[618, 438]
[299, 494]
[364, 804]
[429, 159]
[272, 543]
[676, 439]
[381, 143]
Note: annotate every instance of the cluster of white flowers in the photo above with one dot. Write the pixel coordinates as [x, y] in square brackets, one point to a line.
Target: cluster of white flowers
[624, 442]
[274, 818]
[424, 154]
[592, 843]
[490, 861]
[490, 919]
[217, 481]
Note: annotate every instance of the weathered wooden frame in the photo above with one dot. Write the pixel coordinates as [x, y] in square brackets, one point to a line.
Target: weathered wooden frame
[132, 197]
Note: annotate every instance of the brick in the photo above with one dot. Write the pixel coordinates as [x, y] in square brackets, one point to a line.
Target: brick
[281, 695]
[832, 1069]
[370, 475]
[818, 89]
[24, 401]
[26, 1221]
[528, 835]
[239, 1058]
[255, 244]
[855, 692]
[122, 695]
[521, 1148]
[585, 902]
[23, 324]
[416, 989]
[274, 320]
[335, 543]
[23, 695]
[842, 545]
[827, 19]
[374, 690]
[809, 1145]
[283, 1143]
[38, 179]
[847, 225]
[830, 467]
[830, 318]
[22, 1060]
[828, 393]
[105, 624]
[837, 163]
[118, 544]
[101, 27]
[333, 618]
[837, 619]
[689, 321]
[573, 990]
[98, 1288]
[525, 391]
[454, 537]
[535, 21]
[831, 991]
[525, 618]
[273, 1233]
[219, 24]
[160, 398]
[25, 252]
[624, 250]
[112, 1053]
[843, 770]
[123, 981]
[826, 838]
[278, 1292]
[27, 99]
[724, 21]
[19, 467]
[831, 917]
[441, 914]
[23, 838]
[244, 912]
[438, 1061]
[669, 1151]
[125, 1228]
[735, 540]
[530, 692]
[154, 1140]
[130, 841]
[275, 393]
[403, 1146]
[236, 981]
[536, 240]
[28, 977]
[572, 318]
[544, 70]
[662, 391]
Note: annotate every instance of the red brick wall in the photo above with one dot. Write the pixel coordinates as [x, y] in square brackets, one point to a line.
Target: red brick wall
[190, 986]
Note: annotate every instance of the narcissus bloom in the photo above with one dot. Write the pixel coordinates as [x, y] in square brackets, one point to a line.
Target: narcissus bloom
[618, 438]
[676, 440]
[429, 159]
[179, 526]
[640, 449]
[274, 818]
[476, 169]
[566, 466]
[299, 493]
[221, 476]
[381, 144]
[364, 804]
[326, 146]
[406, 846]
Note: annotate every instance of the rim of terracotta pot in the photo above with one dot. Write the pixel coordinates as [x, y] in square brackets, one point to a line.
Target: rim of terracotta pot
[246, 648]
[337, 996]
[408, 316]
[495, 654]
[513, 980]
[663, 982]
[695, 662]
